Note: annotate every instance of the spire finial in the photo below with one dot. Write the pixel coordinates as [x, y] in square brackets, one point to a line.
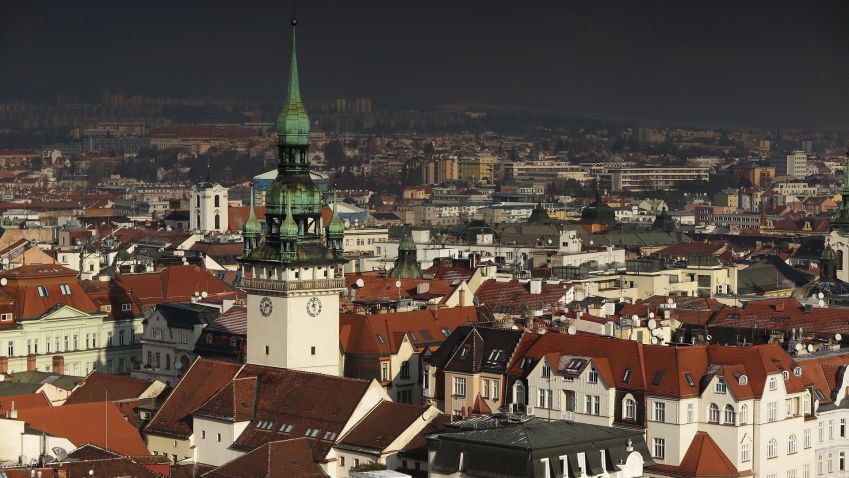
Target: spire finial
[208, 159]
[294, 21]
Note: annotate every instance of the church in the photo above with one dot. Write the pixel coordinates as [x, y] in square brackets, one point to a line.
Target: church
[292, 270]
[838, 236]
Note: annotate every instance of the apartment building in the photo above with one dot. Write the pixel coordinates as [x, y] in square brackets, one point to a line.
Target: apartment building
[752, 403]
[655, 178]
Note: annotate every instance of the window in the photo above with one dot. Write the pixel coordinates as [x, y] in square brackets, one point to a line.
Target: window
[771, 411]
[405, 369]
[496, 387]
[791, 444]
[830, 463]
[11, 349]
[744, 414]
[841, 461]
[627, 375]
[785, 375]
[65, 289]
[791, 473]
[772, 448]
[659, 448]
[217, 201]
[76, 342]
[218, 437]
[689, 378]
[267, 350]
[460, 386]
[821, 431]
[842, 428]
[831, 429]
[713, 413]
[312, 432]
[546, 371]
[384, 371]
[485, 388]
[819, 464]
[108, 340]
[217, 221]
[659, 411]
[806, 470]
[167, 361]
[66, 343]
[720, 386]
[593, 405]
[126, 307]
[312, 350]
[569, 396]
[630, 409]
[745, 451]
[691, 412]
[592, 377]
[730, 417]
[203, 434]
[806, 438]
[42, 290]
[773, 383]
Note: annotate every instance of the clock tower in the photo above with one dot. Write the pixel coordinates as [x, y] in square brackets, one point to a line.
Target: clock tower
[292, 272]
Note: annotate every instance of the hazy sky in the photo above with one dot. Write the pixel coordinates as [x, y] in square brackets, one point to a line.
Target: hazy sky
[737, 63]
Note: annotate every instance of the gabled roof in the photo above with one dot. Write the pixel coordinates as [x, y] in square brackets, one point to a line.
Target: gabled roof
[23, 402]
[704, 458]
[382, 426]
[473, 349]
[278, 459]
[97, 385]
[87, 423]
[204, 379]
[186, 315]
[174, 284]
[234, 321]
[514, 296]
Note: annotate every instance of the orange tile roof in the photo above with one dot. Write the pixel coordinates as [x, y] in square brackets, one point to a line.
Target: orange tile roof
[377, 286]
[704, 458]
[174, 284]
[96, 385]
[278, 459]
[87, 423]
[23, 402]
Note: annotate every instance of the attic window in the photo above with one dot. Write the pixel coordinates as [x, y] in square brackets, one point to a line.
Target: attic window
[627, 375]
[494, 355]
[721, 387]
[42, 290]
[126, 307]
[526, 361]
[106, 308]
[689, 378]
[819, 394]
[286, 428]
[658, 376]
[330, 436]
[464, 352]
[65, 289]
[797, 371]
[311, 432]
[412, 335]
[380, 339]
[743, 380]
[785, 374]
[446, 331]
[5, 317]
[265, 425]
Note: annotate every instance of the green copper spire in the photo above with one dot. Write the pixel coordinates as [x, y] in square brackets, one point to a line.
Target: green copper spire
[289, 229]
[293, 123]
[335, 226]
[252, 226]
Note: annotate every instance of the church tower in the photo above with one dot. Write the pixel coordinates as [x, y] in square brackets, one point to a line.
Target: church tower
[208, 209]
[292, 273]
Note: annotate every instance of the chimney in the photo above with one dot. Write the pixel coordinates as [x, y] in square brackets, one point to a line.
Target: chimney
[59, 364]
[536, 286]
[779, 307]
[31, 363]
[13, 412]
[4, 364]
[462, 297]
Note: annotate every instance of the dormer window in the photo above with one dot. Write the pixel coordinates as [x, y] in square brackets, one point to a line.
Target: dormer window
[65, 289]
[311, 432]
[5, 317]
[592, 377]
[689, 378]
[743, 380]
[797, 371]
[42, 290]
[785, 374]
[720, 387]
[286, 428]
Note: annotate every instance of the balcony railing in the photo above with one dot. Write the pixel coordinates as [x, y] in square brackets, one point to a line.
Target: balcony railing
[292, 285]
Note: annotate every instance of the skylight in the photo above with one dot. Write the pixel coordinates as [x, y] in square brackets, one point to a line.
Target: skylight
[311, 432]
[42, 291]
[446, 331]
[627, 375]
[65, 289]
[286, 428]
[689, 378]
[380, 339]
[658, 377]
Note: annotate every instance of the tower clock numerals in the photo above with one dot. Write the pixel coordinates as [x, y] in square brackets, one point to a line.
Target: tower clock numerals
[265, 306]
[313, 307]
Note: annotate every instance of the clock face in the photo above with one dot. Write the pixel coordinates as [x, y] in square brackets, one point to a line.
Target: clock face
[314, 306]
[265, 306]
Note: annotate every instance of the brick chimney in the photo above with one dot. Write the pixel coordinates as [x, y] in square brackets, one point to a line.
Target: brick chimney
[4, 364]
[31, 363]
[59, 364]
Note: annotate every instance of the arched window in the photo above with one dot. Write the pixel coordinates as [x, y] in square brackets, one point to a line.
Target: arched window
[217, 201]
[630, 408]
[839, 260]
[786, 375]
[772, 448]
[744, 414]
[217, 221]
[791, 444]
[713, 413]
[167, 361]
[519, 393]
[730, 418]
[197, 200]
[197, 224]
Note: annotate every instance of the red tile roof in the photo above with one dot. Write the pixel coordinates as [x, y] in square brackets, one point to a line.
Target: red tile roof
[174, 284]
[96, 385]
[704, 458]
[514, 296]
[237, 215]
[278, 459]
[377, 286]
[87, 423]
[23, 402]
[204, 379]
[383, 425]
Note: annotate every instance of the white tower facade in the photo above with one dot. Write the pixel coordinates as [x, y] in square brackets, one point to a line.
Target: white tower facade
[208, 211]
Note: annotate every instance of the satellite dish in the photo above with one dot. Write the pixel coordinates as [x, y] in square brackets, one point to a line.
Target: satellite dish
[197, 294]
[4, 281]
[360, 283]
[810, 348]
[572, 330]
[515, 327]
[708, 338]
[821, 303]
[635, 317]
[61, 453]
[204, 294]
[652, 324]
[670, 301]
[799, 347]
[701, 338]
[653, 340]
[398, 283]
[820, 295]
[657, 333]
[651, 315]
[838, 337]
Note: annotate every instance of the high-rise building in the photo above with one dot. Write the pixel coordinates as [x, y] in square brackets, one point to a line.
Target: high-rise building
[794, 164]
[292, 274]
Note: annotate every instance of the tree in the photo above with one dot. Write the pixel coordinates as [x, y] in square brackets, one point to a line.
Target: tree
[334, 154]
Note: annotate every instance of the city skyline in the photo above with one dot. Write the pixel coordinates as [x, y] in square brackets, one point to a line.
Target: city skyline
[758, 65]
